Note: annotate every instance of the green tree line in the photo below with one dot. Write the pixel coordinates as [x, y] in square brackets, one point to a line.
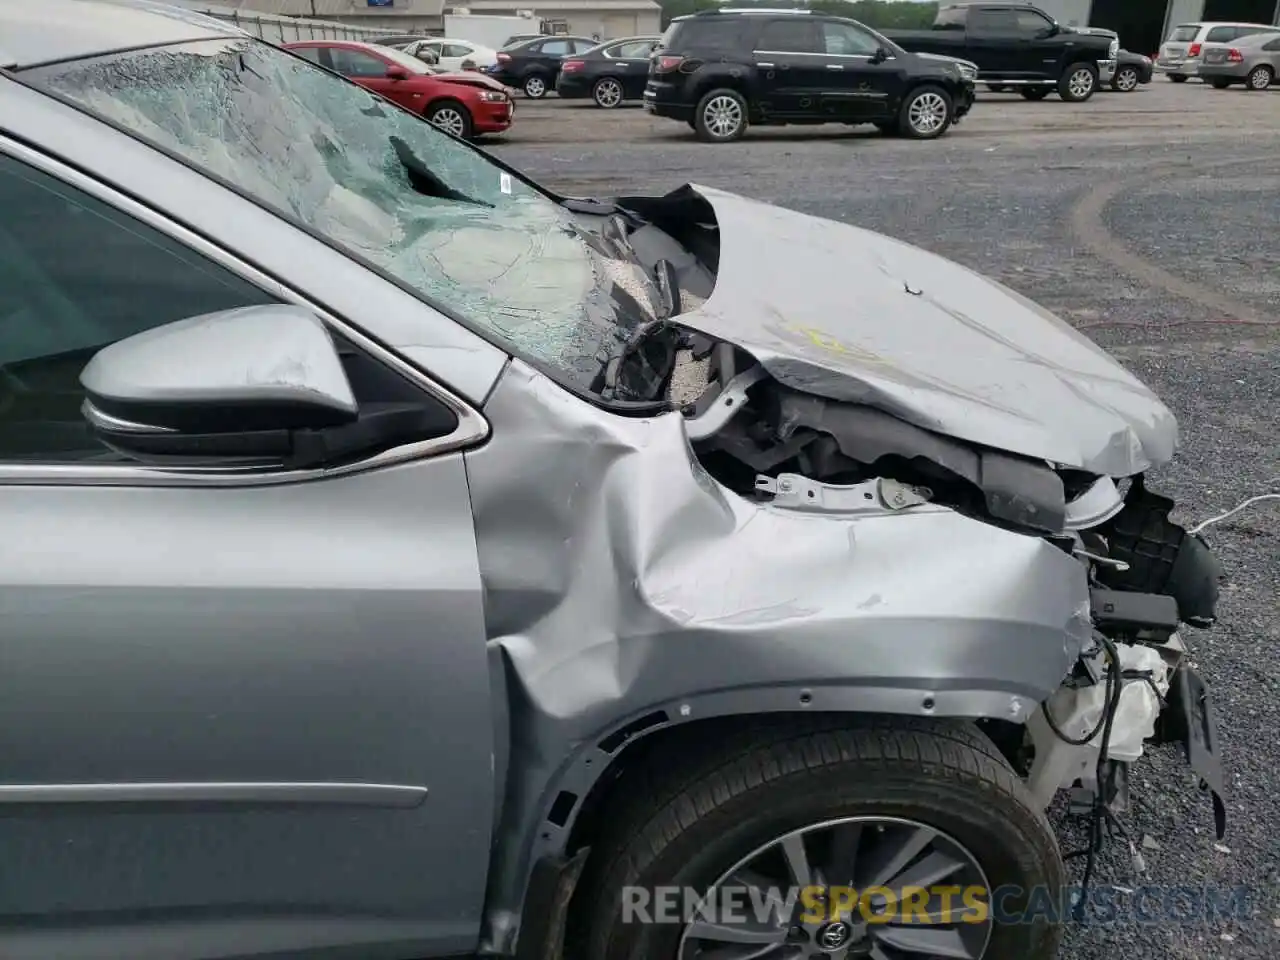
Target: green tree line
[874, 13]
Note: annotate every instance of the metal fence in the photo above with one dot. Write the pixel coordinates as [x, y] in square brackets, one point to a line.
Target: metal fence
[275, 29]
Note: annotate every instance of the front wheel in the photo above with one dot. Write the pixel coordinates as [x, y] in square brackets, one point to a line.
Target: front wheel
[1125, 80]
[1219, 83]
[1078, 83]
[885, 839]
[926, 113]
[1178, 77]
[721, 116]
[1260, 77]
[451, 117]
[1034, 93]
[535, 86]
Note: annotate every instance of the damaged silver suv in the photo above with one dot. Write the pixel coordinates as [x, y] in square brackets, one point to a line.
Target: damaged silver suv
[402, 560]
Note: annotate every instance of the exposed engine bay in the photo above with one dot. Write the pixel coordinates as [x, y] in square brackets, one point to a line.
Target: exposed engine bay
[807, 450]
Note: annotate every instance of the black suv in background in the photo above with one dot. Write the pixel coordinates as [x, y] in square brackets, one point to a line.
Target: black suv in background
[723, 70]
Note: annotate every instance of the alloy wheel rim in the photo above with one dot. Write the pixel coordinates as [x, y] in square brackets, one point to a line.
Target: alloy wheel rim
[534, 87]
[608, 93]
[1081, 83]
[449, 120]
[866, 866]
[1128, 79]
[722, 116]
[928, 112]
[1259, 79]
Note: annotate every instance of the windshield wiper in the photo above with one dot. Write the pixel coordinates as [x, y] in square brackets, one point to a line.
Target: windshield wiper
[424, 180]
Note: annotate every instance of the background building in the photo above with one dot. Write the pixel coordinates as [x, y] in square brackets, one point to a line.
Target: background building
[1143, 24]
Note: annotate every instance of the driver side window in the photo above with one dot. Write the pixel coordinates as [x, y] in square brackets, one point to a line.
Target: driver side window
[75, 276]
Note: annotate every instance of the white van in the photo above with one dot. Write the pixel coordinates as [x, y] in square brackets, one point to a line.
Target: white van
[1179, 56]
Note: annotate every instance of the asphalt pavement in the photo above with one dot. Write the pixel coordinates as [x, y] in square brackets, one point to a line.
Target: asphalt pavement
[1151, 221]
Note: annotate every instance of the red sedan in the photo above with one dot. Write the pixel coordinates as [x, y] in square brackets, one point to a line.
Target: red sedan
[465, 105]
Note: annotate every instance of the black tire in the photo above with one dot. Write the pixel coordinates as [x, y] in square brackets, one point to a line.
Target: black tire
[685, 823]
[997, 87]
[608, 93]
[1078, 82]
[1219, 83]
[540, 86]
[1034, 93]
[451, 116]
[1260, 77]
[1178, 77]
[924, 101]
[1126, 80]
[888, 127]
[718, 129]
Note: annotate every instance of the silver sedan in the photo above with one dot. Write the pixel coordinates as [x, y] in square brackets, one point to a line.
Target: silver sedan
[1253, 61]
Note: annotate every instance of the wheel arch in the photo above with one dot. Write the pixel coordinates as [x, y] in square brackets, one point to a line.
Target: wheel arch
[580, 794]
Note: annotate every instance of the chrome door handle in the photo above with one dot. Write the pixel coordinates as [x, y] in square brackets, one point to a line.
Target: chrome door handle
[835, 66]
[764, 66]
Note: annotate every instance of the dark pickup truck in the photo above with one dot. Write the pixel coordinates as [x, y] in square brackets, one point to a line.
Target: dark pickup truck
[1017, 45]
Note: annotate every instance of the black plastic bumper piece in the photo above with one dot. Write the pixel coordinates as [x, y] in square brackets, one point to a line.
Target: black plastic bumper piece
[1188, 718]
[1129, 613]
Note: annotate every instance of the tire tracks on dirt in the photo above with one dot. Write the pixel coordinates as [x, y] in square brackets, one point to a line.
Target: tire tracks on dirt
[1090, 229]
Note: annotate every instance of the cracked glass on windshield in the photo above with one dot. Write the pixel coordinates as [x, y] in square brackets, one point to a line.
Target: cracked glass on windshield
[377, 181]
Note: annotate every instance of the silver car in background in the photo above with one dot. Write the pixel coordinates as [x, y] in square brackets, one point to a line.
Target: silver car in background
[1253, 61]
[1180, 56]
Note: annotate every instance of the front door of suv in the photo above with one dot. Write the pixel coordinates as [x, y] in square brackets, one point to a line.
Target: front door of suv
[868, 88]
[240, 714]
[795, 77]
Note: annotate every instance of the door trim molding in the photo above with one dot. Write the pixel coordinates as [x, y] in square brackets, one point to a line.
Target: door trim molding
[390, 795]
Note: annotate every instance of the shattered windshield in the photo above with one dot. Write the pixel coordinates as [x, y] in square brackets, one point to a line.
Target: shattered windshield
[378, 182]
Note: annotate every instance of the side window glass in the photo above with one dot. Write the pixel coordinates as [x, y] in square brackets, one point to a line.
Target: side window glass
[1030, 24]
[555, 48]
[308, 53]
[993, 23]
[1220, 35]
[75, 276]
[789, 36]
[1272, 45]
[456, 50]
[356, 63]
[844, 40]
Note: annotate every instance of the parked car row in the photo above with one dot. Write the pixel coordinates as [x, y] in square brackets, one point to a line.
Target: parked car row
[1183, 55]
[465, 104]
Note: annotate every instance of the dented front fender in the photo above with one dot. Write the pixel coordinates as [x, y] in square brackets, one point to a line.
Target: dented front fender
[620, 578]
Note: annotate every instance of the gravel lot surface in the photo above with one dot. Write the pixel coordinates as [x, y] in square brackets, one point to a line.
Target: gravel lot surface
[1151, 220]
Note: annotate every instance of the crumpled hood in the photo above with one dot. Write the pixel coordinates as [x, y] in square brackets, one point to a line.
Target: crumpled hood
[852, 315]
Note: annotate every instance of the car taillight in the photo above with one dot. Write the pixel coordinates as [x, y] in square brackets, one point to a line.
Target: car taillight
[668, 64]
[1235, 56]
[1193, 50]
[504, 57]
[569, 66]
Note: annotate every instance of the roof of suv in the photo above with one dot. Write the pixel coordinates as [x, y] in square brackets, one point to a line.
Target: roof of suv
[51, 30]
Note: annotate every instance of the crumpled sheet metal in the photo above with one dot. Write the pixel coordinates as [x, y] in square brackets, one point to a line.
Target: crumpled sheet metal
[852, 315]
[620, 578]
